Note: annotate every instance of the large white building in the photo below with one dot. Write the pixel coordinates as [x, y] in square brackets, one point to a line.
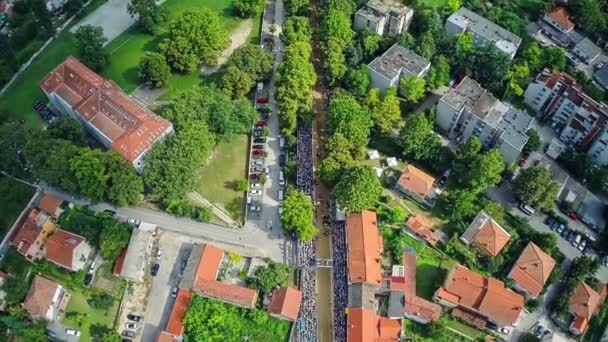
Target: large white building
[397, 62]
[470, 110]
[483, 31]
[578, 119]
[384, 16]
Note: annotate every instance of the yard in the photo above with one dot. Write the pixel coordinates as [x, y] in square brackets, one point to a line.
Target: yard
[421, 333]
[87, 317]
[472, 333]
[15, 197]
[216, 180]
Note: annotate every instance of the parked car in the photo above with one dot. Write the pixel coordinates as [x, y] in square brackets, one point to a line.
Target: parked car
[92, 267]
[255, 208]
[572, 215]
[267, 171]
[110, 212]
[182, 267]
[280, 209]
[261, 123]
[72, 332]
[174, 292]
[258, 147]
[134, 318]
[128, 333]
[257, 162]
[87, 279]
[582, 245]
[282, 160]
[262, 99]
[605, 262]
[560, 228]
[504, 331]
[257, 152]
[256, 185]
[133, 222]
[155, 269]
[131, 325]
[255, 192]
[538, 331]
[521, 163]
[257, 168]
[549, 220]
[159, 253]
[50, 333]
[259, 140]
[576, 240]
[528, 210]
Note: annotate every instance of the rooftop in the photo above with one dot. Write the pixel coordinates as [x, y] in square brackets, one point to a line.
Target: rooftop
[561, 15]
[514, 125]
[60, 247]
[40, 296]
[136, 255]
[486, 234]
[466, 94]
[589, 47]
[532, 269]
[286, 302]
[364, 245]
[423, 227]
[398, 60]
[416, 181]
[49, 204]
[388, 6]
[584, 301]
[175, 325]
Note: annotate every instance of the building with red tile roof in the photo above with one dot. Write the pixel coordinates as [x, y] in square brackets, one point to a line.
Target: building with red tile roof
[46, 300]
[164, 336]
[50, 204]
[365, 326]
[532, 270]
[119, 121]
[485, 234]
[487, 297]
[584, 303]
[364, 246]
[120, 260]
[285, 303]
[559, 18]
[423, 227]
[228, 293]
[30, 237]
[67, 250]
[210, 262]
[175, 325]
[417, 185]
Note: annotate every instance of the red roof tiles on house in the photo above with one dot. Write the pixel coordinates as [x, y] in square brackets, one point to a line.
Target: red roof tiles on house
[360, 325]
[49, 204]
[120, 260]
[60, 247]
[39, 298]
[583, 305]
[414, 305]
[532, 269]
[285, 303]
[364, 245]
[166, 337]
[561, 15]
[27, 233]
[416, 181]
[175, 326]
[491, 237]
[422, 227]
[387, 329]
[470, 317]
[210, 262]
[229, 293]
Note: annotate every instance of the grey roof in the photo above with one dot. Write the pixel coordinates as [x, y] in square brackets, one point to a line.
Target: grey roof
[592, 210]
[370, 14]
[388, 6]
[589, 47]
[514, 125]
[467, 93]
[485, 28]
[601, 76]
[397, 60]
[396, 304]
[189, 274]
[484, 109]
[137, 255]
[362, 295]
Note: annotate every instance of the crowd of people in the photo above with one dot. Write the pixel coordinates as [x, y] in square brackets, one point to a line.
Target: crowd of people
[306, 250]
[338, 246]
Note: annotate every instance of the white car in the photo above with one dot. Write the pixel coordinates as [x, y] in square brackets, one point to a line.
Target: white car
[159, 253]
[255, 192]
[132, 326]
[174, 292]
[92, 268]
[72, 332]
[582, 245]
[258, 162]
[255, 208]
[256, 186]
[280, 210]
[504, 331]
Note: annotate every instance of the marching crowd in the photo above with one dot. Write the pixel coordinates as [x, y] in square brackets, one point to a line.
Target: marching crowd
[306, 251]
[338, 245]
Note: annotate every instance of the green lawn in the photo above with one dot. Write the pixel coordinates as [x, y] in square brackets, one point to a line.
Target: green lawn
[467, 330]
[94, 317]
[227, 165]
[15, 196]
[128, 48]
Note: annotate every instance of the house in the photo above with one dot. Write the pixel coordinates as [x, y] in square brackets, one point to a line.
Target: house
[578, 119]
[601, 76]
[470, 110]
[483, 31]
[46, 300]
[584, 303]
[384, 16]
[200, 275]
[30, 238]
[587, 51]
[423, 227]
[133, 266]
[418, 185]
[364, 246]
[51, 205]
[479, 298]
[365, 326]
[531, 270]
[68, 250]
[175, 325]
[117, 120]
[559, 18]
[164, 336]
[397, 62]
[486, 235]
[285, 303]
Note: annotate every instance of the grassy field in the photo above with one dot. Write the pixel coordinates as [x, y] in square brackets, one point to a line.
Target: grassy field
[227, 165]
[94, 317]
[15, 196]
[127, 49]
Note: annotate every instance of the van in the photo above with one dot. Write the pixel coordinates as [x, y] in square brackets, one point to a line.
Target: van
[281, 195]
[281, 178]
[260, 87]
[528, 210]
[281, 142]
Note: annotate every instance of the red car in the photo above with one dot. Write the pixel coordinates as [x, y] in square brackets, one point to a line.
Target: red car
[261, 123]
[573, 215]
[521, 163]
[257, 152]
[262, 100]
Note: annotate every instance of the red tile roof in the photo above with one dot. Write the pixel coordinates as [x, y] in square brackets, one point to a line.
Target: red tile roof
[561, 15]
[175, 325]
[50, 203]
[470, 317]
[422, 227]
[583, 304]
[39, 298]
[210, 262]
[486, 296]
[414, 305]
[491, 237]
[286, 302]
[60, 247]
[416, 181]
[128, 125]
[166, 337]
[360, 325]
[229, 293]
[387, 329]
[120, 260]
[27, 233]
[532, 269]
[364, 248]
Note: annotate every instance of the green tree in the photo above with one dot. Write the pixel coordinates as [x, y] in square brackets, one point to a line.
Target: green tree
[406, 40]
[338, 160]
[439, 73]
[90, 41]
[358, 189]
[387, 114]
[111, 336]
[13, 138]
[249, 8]
[195, 36]
[298, 213]
[153, 69]
[519, 77]
[17, 288]
[464, 45]
[535, 187]
[426, 45]
[295, 7]
[357, 81]
[113, 238]
[101, 300]
[335, 61]
[485, 171]
[451, 6]
[412, 88]
[346, 116]
[66, 128]
[90, 169]
[533, 55]
[555, 58]
[416, 137]
[590, 14]
[488, 66]
[125, 186]
[460, 205]
[148, 14]
[296, 29]
[466, 154]
[267, 278]
[534, 141]
[254, 60]
[369, 42]
[236, 82]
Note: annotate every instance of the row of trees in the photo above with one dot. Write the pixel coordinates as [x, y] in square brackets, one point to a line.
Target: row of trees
[298, 215]
[336, 35]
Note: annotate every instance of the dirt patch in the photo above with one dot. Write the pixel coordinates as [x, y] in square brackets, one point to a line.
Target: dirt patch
[239, 38]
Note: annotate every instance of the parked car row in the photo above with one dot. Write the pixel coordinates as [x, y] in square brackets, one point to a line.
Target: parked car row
[44, 111]
[258, 171]
[579, 240]
[131, 328]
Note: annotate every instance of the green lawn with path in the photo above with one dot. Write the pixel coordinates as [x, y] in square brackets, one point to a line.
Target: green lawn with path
[227, 165]
[78, 303]
[16, 195]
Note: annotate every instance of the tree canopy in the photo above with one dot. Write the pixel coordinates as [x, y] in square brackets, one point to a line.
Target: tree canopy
[346, 116]
[153, 69]
[417, 138]
[535, 187]
[386, 112]
[90, 41]
[412, 88]
[147, 13]
[339, 158]
[247, 65]
[249, 8]
[298, 214]
[358, 189]
[267, 278]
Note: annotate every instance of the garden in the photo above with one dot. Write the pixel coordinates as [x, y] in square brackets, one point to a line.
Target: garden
[16, 195]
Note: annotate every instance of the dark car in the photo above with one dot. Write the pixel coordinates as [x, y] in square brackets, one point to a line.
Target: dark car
[128, 333]
[549, 220]
[50, 333]
[262, 100]
[182, 267]
[282, 160]
[259, 140]
[155, 269]
[258, 147]
[134, 318]
[258, 152]
[110, 212]
[87, 279]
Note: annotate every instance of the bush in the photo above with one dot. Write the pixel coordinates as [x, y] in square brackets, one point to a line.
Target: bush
[185, 209]
[101, 301]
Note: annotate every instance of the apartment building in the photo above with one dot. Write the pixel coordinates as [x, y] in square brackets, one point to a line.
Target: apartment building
[470, 110]
[483, 31]
[397, 62]
[384, 16]
[117, 120]
[578, 119]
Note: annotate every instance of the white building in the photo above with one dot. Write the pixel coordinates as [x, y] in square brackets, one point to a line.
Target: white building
[387, 70]
[483, 31]
[470, 110]
[384, 16]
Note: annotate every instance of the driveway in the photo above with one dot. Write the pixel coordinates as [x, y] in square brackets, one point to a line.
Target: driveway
[112, 16]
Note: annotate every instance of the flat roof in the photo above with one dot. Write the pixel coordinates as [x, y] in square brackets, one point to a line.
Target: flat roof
[388, 6]
[466, 93]
[397, 60]
[135, 258]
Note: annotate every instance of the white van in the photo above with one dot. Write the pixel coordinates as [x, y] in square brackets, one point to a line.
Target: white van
[281, 142]
[281, 178]
[260, 87]
[528, 210]
[281, 195]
